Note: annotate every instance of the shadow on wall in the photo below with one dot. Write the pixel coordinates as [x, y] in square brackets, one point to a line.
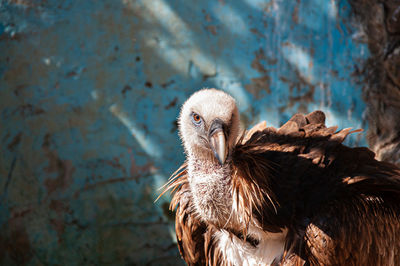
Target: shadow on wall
[90, 92]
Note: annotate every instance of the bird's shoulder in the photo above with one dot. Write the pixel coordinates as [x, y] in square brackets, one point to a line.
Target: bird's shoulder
[303, 165]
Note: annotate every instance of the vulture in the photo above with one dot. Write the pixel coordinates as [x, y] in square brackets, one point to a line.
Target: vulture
[293, 195]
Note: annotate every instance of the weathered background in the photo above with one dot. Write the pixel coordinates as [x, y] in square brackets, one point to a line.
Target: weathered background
[90, 91]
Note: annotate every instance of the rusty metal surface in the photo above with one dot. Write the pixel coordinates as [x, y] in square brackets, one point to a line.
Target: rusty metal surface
[90, 92]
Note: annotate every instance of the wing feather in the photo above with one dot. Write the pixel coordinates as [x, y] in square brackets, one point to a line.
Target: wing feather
[325, 193]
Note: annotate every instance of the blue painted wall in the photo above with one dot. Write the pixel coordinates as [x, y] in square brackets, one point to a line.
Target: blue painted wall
[90, 92]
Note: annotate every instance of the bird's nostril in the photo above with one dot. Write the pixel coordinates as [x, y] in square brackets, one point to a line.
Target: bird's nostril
[216, 125]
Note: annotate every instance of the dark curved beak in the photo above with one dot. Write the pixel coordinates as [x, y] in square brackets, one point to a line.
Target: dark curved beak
[217, 140]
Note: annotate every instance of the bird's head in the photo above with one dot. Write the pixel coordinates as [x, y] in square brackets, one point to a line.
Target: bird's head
[209, 124]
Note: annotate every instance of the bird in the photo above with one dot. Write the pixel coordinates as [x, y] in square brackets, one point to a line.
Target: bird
[293, 195]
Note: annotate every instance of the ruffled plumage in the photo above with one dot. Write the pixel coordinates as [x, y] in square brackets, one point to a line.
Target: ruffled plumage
[338, 204]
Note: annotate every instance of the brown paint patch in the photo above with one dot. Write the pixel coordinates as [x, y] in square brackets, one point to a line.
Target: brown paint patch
[95, 185]
[207, 17]
[172, 103]
[115, 163]
[28, 110]
[46, 141]
[136, 171]
[257, 62]
[257, 32]
[58, 225]
[63, 168]
[334, 73]
[212, 29]
[298, 83]
[18, 36]
[76, 223]
[261, 83]
[312, 51]
[284, 79]
[23, 3]
[295, 15]
[258, 85]
[71, 74]
[306, 97]
[18, 89]
[59, 206]
[167, 84]
[148, 84]
[16, 140]
[17, 214]
[126, 89]
[207, 76]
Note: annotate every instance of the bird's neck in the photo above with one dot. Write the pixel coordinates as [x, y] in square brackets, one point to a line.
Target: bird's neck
[210, 184]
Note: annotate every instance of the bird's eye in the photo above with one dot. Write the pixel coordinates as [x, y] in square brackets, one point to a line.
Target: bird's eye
[196, 119]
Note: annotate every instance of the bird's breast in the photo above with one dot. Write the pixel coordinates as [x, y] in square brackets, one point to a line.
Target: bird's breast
[236, 251]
